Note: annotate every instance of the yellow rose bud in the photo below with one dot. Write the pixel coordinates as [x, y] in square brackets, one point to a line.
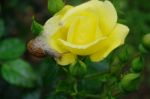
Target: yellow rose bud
[90, 29]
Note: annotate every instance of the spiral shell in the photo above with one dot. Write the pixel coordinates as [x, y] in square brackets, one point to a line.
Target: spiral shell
[39, 48]
[34, 49]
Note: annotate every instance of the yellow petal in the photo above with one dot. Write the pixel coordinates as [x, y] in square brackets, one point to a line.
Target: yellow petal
[83, 49]
[53, 24]
[108, 17]
[64, 10]
[53, 29]
[116, 38]
[76, 11]
[104, 10]
[53, 40]
[66, 59]
[83, 29]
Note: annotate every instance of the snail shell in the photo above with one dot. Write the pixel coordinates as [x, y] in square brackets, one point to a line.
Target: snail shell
[39, 48]
[34, 50]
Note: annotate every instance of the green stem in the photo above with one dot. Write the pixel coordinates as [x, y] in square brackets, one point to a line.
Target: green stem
[75, 87]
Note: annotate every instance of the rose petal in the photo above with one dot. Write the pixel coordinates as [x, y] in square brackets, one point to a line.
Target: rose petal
[108, 17]
[53, 40]
[54, 30]
[104, 10]
[83, 29]
[83, 49]
[116, 38]
[66, 59]
[53, 24]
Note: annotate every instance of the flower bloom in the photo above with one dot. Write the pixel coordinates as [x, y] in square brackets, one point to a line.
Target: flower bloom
[90, 29]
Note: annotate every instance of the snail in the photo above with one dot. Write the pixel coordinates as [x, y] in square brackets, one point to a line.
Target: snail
[35, 50]
[39, 48]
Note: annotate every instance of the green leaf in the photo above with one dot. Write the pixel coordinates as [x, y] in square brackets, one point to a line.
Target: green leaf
[78, 69]
[137, 64]
[55, 5]
[75, 2]
[91, 85]
[18, 72]
[125, 52]
[2, 28]
[143, 49]
[11, 48]
[36, 28]
[130, 82]
[146, 41]
[65, 86]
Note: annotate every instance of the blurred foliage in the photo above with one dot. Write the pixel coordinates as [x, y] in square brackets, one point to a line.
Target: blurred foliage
[18, 72]
[36, 28]
[8, 50]
[55, 5]
[26, 77]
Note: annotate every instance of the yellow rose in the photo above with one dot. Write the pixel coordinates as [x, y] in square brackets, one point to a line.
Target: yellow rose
[90, 29]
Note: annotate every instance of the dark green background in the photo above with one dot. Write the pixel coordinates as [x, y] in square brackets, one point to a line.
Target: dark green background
[15, 32]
